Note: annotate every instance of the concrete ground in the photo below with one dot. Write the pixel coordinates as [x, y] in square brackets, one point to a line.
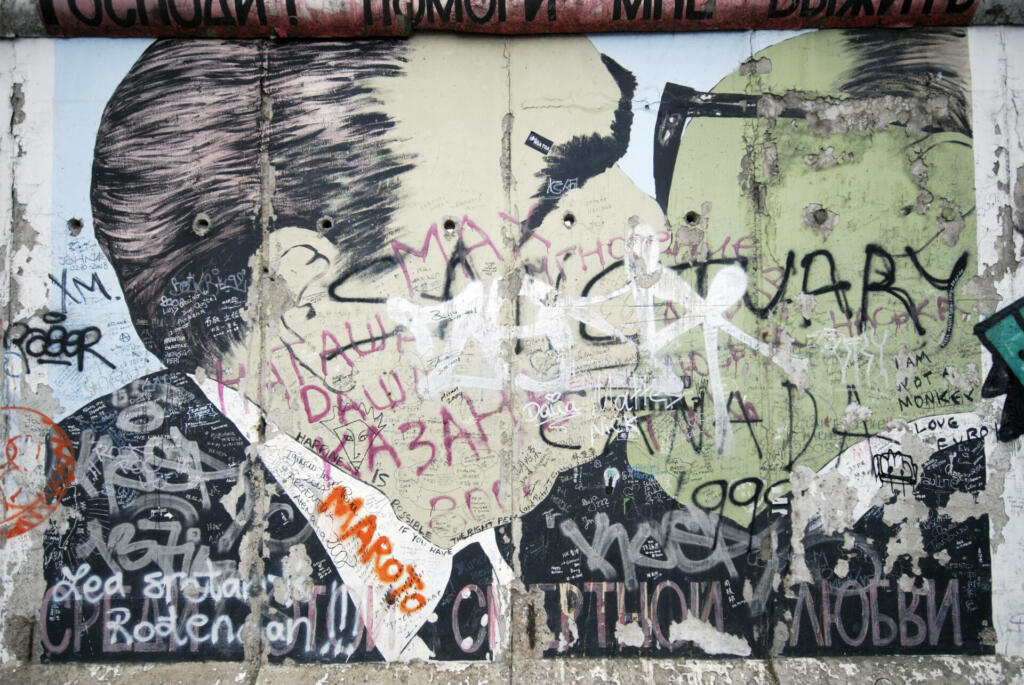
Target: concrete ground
[860, 670]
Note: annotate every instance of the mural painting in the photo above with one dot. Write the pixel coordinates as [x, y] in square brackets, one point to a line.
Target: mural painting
[358, 349]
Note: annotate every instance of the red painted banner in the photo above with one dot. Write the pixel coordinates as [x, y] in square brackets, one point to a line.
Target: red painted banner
[361, 18]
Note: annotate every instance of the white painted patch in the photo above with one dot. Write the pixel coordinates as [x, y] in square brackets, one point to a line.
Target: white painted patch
[629, 634]
[705, 636]
[451, 666]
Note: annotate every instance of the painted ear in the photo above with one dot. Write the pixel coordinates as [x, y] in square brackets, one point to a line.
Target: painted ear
[300, 259]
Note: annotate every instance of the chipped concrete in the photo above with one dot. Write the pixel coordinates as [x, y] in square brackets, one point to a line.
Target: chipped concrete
[950, 221]
[702, 634]
[887, 671]
[296, 585]
[829, 116]
[854, 414]
[820, 219]
[824, 159]
[758, 67]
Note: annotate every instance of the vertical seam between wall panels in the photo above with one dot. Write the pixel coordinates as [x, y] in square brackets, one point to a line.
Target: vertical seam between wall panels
[257, 489]
[506, 474]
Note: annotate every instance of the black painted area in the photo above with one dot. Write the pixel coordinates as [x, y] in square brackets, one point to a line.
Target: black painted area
[463, 622]
[613, 550]
[154, 464]
[945, 609]
[676, 563]
[158, 473]
[957, 468]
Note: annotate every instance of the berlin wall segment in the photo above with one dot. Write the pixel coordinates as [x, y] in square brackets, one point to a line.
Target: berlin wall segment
[359, 344]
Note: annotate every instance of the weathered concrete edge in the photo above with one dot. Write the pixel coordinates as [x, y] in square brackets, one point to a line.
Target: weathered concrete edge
[996, 12]
[888, 670]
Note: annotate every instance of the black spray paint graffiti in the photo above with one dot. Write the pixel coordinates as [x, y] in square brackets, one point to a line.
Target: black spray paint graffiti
[94, 288]
[54, 343]
[895, 469]
[879, 276]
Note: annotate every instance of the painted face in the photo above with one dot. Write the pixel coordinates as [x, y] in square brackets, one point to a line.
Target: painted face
[447, 369]
[851, 226]
[526, 305]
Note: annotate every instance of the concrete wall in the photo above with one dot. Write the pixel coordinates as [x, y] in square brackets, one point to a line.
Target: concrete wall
[511, 351]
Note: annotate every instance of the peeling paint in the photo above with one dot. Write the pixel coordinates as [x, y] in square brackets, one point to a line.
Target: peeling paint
[820, 220]
[693, 630]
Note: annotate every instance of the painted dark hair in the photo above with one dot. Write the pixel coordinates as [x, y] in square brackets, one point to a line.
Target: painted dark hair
[917, 63]
[196, 135]
[585, 157]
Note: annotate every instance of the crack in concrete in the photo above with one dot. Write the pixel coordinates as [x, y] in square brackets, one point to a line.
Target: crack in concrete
[254, 649]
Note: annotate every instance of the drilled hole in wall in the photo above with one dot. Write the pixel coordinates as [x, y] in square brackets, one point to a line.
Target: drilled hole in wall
[201, 225]
[692, 218]
[569, 220]
[74, 226]
[820, 216]
[449, 225]
[324, 223]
